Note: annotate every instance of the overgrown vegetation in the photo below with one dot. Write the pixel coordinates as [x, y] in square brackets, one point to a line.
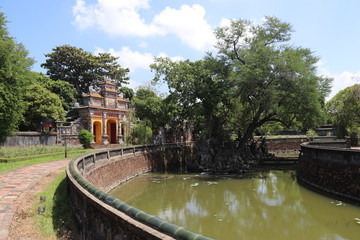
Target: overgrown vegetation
[343, 110]
[13, 80]
[141, 134]
[257, 77]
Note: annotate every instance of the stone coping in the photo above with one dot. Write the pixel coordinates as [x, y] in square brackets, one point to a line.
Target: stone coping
[313, 145]
[151, 221]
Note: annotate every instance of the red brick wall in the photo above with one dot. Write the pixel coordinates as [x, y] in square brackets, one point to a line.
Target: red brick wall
[113, 173]
[336, 171]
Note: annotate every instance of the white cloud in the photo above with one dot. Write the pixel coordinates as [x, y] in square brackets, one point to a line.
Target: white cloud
[341, 81]
[114, 17]
[122, 18]
[189, 24]
[134, 60]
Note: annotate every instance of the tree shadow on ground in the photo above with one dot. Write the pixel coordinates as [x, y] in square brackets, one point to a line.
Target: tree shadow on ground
[63, 218]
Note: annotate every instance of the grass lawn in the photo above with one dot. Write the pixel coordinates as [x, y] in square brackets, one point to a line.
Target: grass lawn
[8, 166]
[16, 152]
[57, 220]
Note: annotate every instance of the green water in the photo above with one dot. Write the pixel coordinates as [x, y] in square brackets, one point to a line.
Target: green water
[267, 205]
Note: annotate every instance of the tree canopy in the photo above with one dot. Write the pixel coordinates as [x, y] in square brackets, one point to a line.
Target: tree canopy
[344, 110]
[40, 104]
[149, 108]
[81, 68]
[14, 67]
[257, 77]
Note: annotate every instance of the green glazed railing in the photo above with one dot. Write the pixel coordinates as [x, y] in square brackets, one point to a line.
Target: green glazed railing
[154, 222]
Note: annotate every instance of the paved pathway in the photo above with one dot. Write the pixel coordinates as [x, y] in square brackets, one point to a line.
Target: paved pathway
[15, 183]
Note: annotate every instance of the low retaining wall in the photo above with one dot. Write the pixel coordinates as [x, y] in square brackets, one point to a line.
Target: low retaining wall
[332, 170]
[101, 216]
[30, 139]
[289, 144]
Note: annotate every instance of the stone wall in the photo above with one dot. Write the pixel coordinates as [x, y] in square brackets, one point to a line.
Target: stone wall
[30, 139]
[293, 144]
[332, 170]
[284, 144]
[100, 216]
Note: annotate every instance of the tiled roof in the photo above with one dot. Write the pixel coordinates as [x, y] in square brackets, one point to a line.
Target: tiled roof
[122, 100]
[104, 108]
[94, 95]
[110, 83]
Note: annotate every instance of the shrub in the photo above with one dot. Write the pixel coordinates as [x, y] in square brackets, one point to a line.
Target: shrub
[85, 138]
[141, 134]
[311, 133]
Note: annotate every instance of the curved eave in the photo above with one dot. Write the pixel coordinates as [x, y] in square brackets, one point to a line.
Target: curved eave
[104, 108]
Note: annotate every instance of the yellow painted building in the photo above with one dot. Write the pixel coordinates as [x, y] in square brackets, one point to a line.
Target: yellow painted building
[106, 114]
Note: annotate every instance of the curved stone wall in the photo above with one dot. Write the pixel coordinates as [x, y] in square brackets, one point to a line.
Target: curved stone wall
[101, 216]
[333, 170]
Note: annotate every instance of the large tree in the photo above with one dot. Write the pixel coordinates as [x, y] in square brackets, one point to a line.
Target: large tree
[81, 68]
[148, 108]
[41, 104]
[257, 77]
[14, 67]
[344, 110]
[274, 81]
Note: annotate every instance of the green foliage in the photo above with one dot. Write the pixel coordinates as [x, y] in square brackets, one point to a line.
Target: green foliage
[141, 134]
[64, 90]
[256, 78]
[85, 138]
[14, 67]
[149, 107]
[81, 68]
[311, 133]
[343, 110]
[41, 104]
[128, 93]
[271, 128]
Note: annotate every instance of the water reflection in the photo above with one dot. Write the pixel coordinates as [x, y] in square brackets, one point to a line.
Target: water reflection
[268, 205]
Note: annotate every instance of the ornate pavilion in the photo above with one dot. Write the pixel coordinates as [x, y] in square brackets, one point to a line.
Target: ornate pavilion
[105, 113]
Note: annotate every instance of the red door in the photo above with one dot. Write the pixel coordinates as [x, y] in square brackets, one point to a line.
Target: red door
[113, 133]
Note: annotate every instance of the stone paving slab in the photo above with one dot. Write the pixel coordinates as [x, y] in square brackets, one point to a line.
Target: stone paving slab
[15, 183]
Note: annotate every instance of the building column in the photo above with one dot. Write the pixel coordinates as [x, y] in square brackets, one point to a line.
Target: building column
[120, 136]
[91, 127]
[105, 137]
[124, 133]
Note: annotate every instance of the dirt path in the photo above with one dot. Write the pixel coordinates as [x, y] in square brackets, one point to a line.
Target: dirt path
[16, 187]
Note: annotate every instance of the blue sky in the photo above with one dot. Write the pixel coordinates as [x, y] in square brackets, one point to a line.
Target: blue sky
[138, 30]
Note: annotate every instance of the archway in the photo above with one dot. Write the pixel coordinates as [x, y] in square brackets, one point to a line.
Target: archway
[111, 130]
[97, 132]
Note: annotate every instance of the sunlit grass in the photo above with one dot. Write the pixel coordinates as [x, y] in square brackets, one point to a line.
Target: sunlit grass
[14, 152]
[57, 220]
[5, 167]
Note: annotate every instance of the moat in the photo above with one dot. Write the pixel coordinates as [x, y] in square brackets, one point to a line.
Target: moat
[263, 205]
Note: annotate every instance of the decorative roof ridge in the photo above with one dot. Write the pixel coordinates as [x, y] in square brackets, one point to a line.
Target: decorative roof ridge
[107, 82]
[122, 100]
[94, 95]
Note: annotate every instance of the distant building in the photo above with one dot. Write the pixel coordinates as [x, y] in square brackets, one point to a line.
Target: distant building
[105, 114]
